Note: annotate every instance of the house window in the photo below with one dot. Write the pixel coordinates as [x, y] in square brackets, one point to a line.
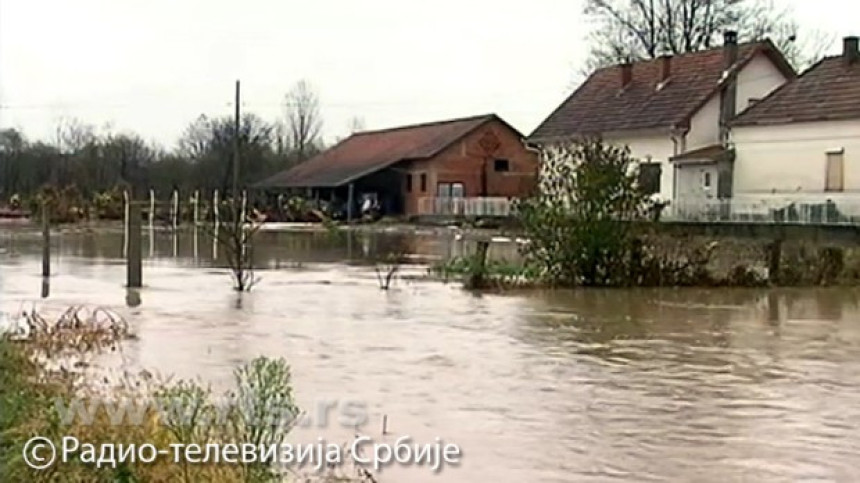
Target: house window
[408, 183]
[706, 180]
[502, 165]
[457, 190]
[649, 177]
[835, 171]
[423, 182]
[443, 190]
[450, 190]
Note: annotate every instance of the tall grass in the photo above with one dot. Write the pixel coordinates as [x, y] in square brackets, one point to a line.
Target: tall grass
[30, 387]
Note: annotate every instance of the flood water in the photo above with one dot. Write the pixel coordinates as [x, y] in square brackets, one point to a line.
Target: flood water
[615, 385]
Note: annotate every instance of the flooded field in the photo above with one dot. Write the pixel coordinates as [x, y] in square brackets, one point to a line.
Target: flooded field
[614, 385]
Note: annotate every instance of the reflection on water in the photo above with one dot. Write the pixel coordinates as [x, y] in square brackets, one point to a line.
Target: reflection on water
[587, 385]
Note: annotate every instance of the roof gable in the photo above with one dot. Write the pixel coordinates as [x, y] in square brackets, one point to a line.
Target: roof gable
[601, 106]
[829, 90]
[369, 151]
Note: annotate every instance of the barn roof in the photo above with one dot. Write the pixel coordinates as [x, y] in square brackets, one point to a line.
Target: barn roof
[366, 152]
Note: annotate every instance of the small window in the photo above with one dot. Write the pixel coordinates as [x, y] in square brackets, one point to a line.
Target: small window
[502, 165]
[706, 180]
[649, 177]
[423, 182]
[408, 183]
[834, 175]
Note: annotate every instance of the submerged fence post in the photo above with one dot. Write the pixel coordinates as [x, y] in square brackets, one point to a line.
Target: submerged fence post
[151, 209]
[125, 225]
[174, 209]
[217, 225]
[46, 241]
[196, 207]
[241, 225]
[151, 219]
[133, 259]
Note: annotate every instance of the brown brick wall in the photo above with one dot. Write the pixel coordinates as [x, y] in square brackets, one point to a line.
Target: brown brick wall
[463, 161]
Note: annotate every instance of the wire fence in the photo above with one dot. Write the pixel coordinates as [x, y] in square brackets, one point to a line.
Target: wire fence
[835, 211]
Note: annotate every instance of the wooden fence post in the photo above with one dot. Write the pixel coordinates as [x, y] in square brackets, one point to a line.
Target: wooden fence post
[133, 258]
[215, 211]
[46, 241]
[151, 209]
[174, 209]
[125, 224]
[196, 207]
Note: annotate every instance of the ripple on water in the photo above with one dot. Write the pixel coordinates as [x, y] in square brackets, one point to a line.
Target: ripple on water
[566, 386]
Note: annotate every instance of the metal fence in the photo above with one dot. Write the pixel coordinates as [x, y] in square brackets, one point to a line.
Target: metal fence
[495, 206]
[794, 210]
[798, 211]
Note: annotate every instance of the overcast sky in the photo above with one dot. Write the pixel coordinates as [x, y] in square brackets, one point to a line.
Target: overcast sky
[152, 66]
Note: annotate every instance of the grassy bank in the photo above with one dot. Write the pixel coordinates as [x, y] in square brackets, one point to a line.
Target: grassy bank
[37, 372]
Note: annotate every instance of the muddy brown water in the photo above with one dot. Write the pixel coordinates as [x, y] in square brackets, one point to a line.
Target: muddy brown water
[633, 385]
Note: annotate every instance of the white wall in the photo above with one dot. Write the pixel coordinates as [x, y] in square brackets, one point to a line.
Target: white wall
[791, 158]
[705, 126]
[756, 80]
[659, 147]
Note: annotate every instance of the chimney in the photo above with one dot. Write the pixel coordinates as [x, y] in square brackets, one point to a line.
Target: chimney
[729, 94]
[730, 48]
[665, 67]
[626, 73]
[850, 50]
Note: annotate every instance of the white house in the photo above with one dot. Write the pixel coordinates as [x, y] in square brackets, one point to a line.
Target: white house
[801, 144]
[672, 113]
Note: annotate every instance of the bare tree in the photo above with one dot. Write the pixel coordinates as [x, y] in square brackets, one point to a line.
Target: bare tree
[73, 135]
[304, 122]
[646, 29]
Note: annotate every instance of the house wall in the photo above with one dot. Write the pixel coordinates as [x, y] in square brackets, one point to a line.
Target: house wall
[464, 161]
[790, 159]
[756, 80]
[659, 148]
[705, 126]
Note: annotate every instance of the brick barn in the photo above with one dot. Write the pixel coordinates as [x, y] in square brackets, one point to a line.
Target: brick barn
[409, 169]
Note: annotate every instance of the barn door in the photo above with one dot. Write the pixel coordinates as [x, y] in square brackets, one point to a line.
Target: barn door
[835, 172]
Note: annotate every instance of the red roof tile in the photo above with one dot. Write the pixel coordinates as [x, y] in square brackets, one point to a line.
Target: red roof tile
[600, 105]
[830, 90]
[369, 151]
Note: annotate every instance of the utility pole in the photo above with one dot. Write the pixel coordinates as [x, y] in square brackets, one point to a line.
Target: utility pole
[236, 148]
